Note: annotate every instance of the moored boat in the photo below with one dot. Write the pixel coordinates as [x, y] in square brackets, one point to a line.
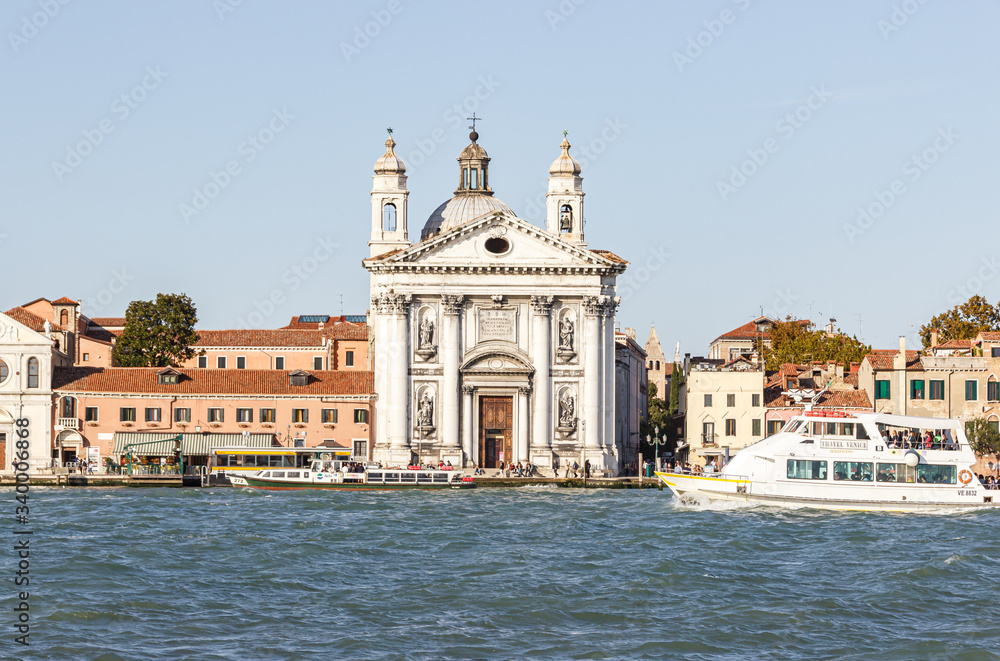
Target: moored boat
[831, 460]
[322, 475]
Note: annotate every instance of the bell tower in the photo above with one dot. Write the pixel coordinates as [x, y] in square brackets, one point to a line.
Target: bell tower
[564, 201]
[389, 196]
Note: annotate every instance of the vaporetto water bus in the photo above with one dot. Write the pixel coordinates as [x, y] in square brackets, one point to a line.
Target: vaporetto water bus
[833, 460]
[323, 474]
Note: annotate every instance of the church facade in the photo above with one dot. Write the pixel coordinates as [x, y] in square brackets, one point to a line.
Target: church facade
[493, 338]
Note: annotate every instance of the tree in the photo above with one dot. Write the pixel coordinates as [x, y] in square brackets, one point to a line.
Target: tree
[657, 412]
[983, 436]
[676, 381]
[963, 322]
[797, 341]
[157, 333]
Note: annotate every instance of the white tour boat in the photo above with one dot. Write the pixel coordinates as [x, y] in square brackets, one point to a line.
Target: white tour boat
[833, 460]
[327, 474]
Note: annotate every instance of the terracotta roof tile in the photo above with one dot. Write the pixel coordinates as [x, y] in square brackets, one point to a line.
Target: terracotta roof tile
[883, 359]
[610, 256]
[267, 338]
[141, 380]
[990, 336]
[955, 344]
[834, 399]
[65, 301]
[109, 322]
[30, 319]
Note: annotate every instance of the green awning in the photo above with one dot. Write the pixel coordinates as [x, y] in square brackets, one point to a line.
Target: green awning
[191, 444]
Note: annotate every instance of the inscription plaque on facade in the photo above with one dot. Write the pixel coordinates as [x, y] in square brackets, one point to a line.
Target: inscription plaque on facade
[497, 325]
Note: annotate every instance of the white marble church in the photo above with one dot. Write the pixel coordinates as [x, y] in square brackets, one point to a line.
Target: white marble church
[494, 339]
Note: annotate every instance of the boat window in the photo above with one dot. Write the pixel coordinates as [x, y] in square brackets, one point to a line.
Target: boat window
[817, 429]
[374, 477]
[932, 474]
[392, 477]
[424, 477]
[806, 469]
[853, 471]
[294, 474]
[407, 477]
[275, 473]
[831, 429]
[887, 472]
[845, 429]
[862, 434]
[440, 477]
[790, 426]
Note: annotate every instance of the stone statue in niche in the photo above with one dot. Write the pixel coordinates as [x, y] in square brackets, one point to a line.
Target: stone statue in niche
[427, 333]
[566, 334]
[425, 414]
[566, 220]
[567, 410]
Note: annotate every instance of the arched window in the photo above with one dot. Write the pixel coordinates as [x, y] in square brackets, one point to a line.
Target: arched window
[3, 371]
[32, 372]
[475, 178]
[389, 218]
[657, 366]
[566, 219]
[64, 318]
[68, 407]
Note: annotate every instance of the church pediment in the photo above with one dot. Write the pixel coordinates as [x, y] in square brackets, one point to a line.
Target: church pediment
[496, 239]
[494, 359]
[13, 331]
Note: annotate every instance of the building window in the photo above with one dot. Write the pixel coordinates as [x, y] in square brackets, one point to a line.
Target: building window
[216, 415]
[182, 415]
[167, 379]
[220, 362]
[360, 450]
[300, 415]
[882, 390]
[241, 362]
[152, 414]
[937, 389]
[244, 415]
[86, 357]
[993, 391]
[995, 424]
[360, 416]
[730, 427]
[279, 363]
[90, 414]
[708, 433]
[63, 318]
[774, 426]
[126, 414]
[318, 363]
[708, 401]
[730, 400]
[267, 415]
[32, 372]
[755, 400]
[349, 359]
[329, 416]
[202, 362]
[755, 424]
[917, 389]
[971, 390]
[995, 352]
[389, 218]
[4, 371]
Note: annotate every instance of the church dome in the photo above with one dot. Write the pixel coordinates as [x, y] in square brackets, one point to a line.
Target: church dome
[565, 164]
[473, 197]
[461, 209]
[389, 163]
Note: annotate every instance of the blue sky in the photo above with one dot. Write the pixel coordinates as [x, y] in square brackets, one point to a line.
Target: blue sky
[728, 148]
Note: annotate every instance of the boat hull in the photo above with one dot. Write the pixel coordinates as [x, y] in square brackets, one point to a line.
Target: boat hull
[282, 485]
[722, 488]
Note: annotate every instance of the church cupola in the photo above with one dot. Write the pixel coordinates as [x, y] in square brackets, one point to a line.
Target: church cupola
[473, 168]
[389, 196]
[564, 200]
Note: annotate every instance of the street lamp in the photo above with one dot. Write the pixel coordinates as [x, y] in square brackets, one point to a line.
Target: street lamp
[656, 441]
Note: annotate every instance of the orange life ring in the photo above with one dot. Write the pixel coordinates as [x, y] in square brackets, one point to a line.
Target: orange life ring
[965, 476]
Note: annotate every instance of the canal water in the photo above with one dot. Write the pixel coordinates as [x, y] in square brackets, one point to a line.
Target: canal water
[526, 573]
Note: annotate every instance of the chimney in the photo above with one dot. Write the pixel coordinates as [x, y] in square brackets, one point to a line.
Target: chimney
[934, 338]
[899, 362]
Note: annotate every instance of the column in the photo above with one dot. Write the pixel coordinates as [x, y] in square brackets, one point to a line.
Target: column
[468, 442]
[399, 369]
[380, 366]
[610, 376]
[523, 396]
[541, 356]
[592, 307]
[451, 349]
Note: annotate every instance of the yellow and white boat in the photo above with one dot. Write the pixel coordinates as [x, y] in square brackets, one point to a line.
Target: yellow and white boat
[832, 460]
